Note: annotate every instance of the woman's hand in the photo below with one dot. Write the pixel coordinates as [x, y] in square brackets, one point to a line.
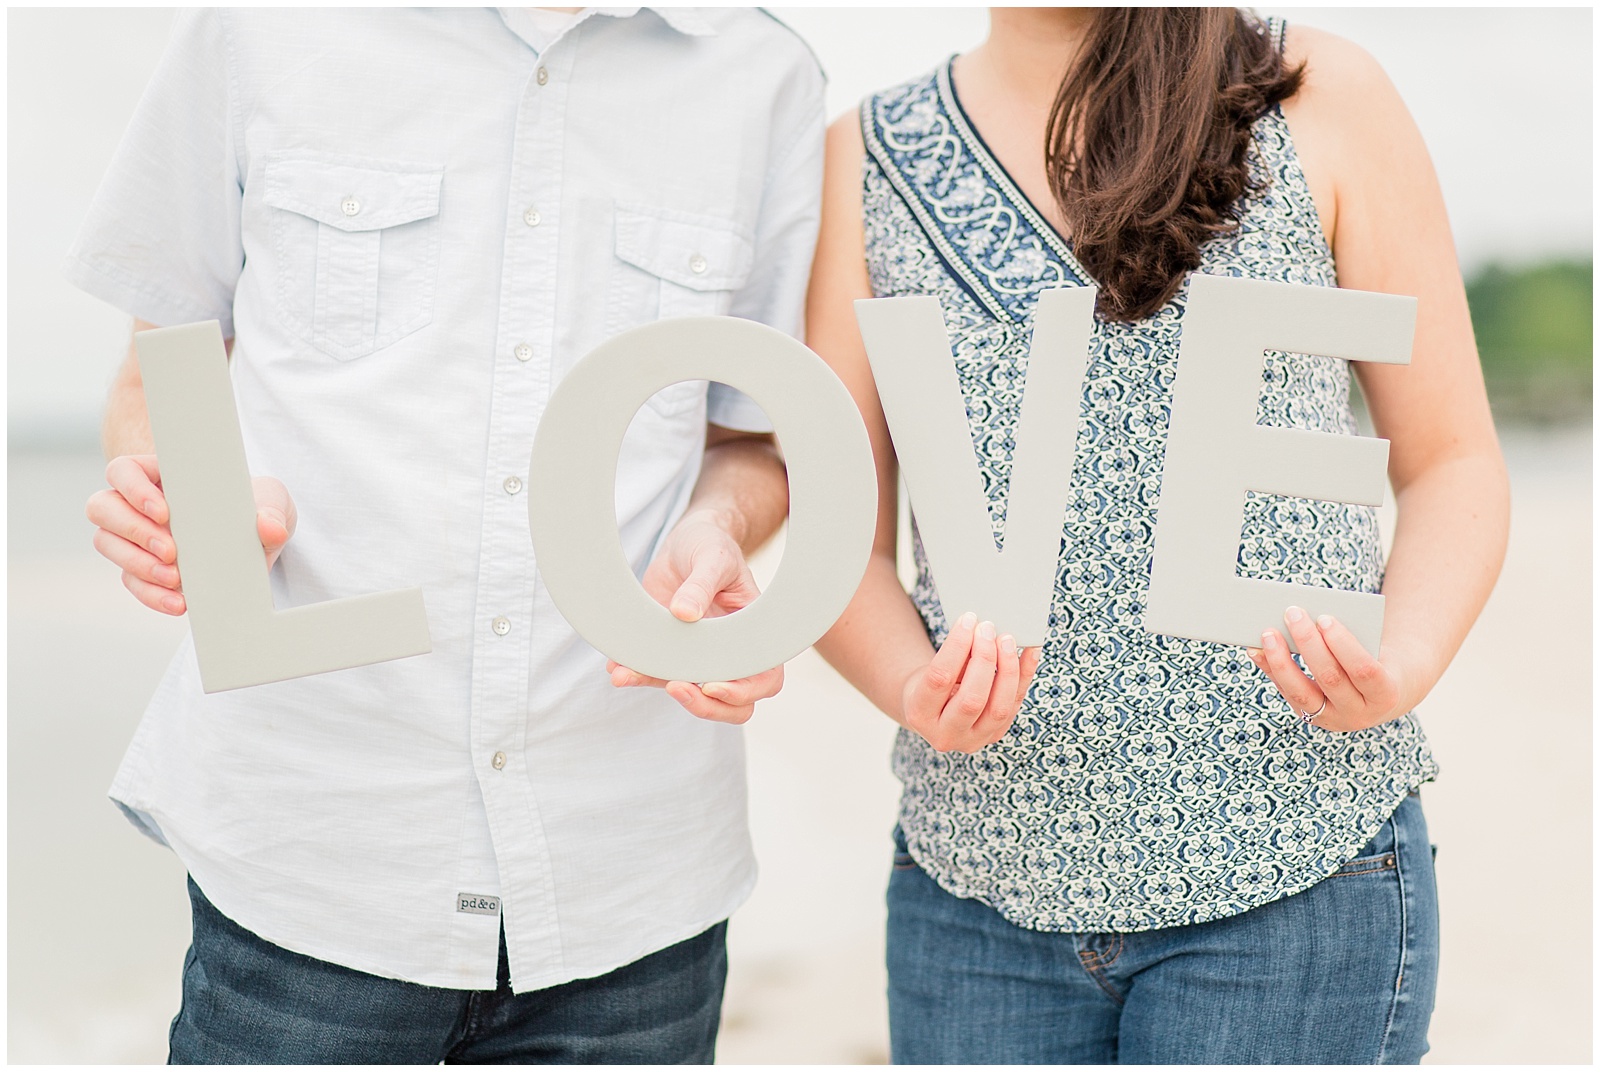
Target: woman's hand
[1347, 689]
[968, 696]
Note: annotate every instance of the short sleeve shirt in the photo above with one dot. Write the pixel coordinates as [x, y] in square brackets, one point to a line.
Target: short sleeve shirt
[413, 223]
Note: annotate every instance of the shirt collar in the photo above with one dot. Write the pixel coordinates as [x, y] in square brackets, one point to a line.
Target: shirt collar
[685, 20]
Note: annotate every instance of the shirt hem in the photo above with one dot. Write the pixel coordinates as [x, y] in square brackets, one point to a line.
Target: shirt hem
[1188, 915]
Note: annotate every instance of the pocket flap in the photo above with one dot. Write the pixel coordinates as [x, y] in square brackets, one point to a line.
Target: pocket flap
[698, 252]
[353, 197]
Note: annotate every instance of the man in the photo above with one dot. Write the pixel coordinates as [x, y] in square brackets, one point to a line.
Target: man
[411, 224]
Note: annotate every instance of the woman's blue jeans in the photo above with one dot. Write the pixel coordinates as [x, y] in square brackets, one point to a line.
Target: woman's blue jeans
[1341, 973]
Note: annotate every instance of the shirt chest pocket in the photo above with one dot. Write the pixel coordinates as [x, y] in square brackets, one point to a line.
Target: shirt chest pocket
[357, 250]
[670, 264]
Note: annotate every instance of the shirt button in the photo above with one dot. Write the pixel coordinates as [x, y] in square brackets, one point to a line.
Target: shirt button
[501, 626]
[698, 264]
[523, 351]
[499, 761]
[512, 485]
[350, 206]
[531, 217]
[542, 76]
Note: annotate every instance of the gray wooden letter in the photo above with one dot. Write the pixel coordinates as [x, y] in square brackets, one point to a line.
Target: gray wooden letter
[909, 351]
[239, 639]
[572, 485]
[1216, 452]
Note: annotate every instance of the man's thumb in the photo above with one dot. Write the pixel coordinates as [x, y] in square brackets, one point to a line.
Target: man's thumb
[693, 597]
[275, 514]
[272, 527]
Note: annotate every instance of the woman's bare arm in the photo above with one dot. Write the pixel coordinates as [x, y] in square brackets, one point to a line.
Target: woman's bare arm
[1380, 202]
[967, 695]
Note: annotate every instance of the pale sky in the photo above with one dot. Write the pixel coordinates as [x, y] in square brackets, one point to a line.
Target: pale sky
[1504, 98]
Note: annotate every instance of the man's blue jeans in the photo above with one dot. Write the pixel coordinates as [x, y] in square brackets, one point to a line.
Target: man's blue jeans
[1342, 973]
[247, 1001]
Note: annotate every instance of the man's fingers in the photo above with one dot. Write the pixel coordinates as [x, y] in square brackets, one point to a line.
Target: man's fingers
[1301, 692]
[712, 570]
[700, 705]
[699, 570]
[138, 480]
[154, 596]
[275, 512]
[109, 510]
[623, 678]
[972, 697]
[739, 594]
[746, 690]
[131, 558]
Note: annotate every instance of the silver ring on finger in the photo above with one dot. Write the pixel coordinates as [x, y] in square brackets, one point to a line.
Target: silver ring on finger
[1310, 717]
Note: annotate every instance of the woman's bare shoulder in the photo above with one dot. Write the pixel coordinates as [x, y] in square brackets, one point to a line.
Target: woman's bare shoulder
[1344, 87]
[844, 137]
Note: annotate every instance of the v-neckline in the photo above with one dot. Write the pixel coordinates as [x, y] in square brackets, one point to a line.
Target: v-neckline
[985, 156]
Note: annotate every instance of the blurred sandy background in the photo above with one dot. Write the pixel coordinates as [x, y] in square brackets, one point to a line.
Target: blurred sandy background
[97, 918]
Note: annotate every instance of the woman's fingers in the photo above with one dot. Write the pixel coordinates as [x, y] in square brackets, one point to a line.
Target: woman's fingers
[1367, 675]
[972, 696]
[1029, 665]
[938, 680]
[1324, 666]
[1301, 692]
[1002, 706]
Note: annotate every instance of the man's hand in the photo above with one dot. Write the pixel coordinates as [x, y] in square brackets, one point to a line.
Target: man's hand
[133, 528]
[701, 573]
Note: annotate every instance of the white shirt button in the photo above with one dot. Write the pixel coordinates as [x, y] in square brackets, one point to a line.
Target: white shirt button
[499, 761]
[512, 485]
[531, 217]
[542, 76]
[523, 351]
[501, 626]
[350, 206]
[698, 264]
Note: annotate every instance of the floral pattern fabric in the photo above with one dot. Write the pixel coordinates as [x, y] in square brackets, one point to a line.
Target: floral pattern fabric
[1149, 780]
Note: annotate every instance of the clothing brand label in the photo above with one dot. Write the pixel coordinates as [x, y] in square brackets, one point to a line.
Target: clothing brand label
[478, 903]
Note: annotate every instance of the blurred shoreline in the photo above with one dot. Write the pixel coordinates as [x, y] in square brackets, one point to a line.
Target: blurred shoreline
[94, 977]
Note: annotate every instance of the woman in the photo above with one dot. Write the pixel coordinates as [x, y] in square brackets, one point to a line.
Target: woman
[1159, 859]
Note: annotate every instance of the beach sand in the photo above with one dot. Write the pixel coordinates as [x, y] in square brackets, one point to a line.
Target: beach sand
[99, 920]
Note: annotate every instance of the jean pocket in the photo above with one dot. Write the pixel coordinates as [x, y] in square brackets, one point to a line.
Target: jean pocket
[357, 249]
[903, 860]
[1366, 865]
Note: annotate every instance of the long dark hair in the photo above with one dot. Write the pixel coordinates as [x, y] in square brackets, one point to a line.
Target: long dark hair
[1146, 145]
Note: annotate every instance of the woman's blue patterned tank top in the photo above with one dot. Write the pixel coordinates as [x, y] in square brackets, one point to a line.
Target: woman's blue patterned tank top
[1148, 780]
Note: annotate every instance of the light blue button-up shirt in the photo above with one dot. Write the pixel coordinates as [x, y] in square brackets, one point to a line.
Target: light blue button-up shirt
[414, 222]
